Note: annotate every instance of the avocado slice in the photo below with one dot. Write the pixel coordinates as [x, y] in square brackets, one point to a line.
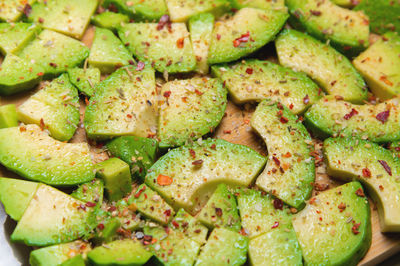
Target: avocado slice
[12, 10]
[255, 80]
[208, 163]
[107, 232]
[330, 69]
[128, 216]
[78, 260]
[85, 80]
[261, 4]
[90, 192]
[15, 36]
[190, 226]
[52, 217]
[379, 66]
[124, 104]
[378, 123]
[224, 247]
[69, 17]
[55, 107]
[149, 10]
[221, 210]
[335, 226]
[290, 170]
[182, 10]
[247, 31]
[346, 30]
[8, 116]
[190, 109]
[166, 46]
[200, 28]
[107, 52]
[376, 167]
[15, 194]
[31, 153]
[54, 52]
[109, 20]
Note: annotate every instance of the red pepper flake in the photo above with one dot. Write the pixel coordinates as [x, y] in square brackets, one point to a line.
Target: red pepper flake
[180, 43]
[276, 160]
[355, 228]
[41, 124]
[192, 153]
[333, 83]
[167, 212]
[100, 226]
[27, 10]
[164, 20]
[278, 204]
[198, 92]
[82, 207]
[213, 147]
[197, 231]
[386, 81]
[167, 94]
[164, 180]
[315, 12]
[386, 167]
[41, 20]
[276, 224]
[218, 212]
[243, 232]
[227, 131]
[380, 187]
[383, 116]
[366, 172]
[352, 113]
[175, 224]
[249, 71]
[140, 66]
[53, 64]
[218, 37]
[131, 62]
[283, 120]
[244, 38]
[342, 207]
[321, 186]
[137, 195]
[40, 74]
[90, 204]
[360, 192]
[197, 162]
[306, 99]
[87, 101]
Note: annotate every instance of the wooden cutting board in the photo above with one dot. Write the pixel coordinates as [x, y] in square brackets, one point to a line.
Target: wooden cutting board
[235, 128]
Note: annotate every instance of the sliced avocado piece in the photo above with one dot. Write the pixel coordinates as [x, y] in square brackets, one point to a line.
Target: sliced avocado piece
[110, 20]
[52, 217]
[55, 107]
[124, 104]
[15, 36]
[166, 46]
[90, 192]
[261, 4]
[255, 80]
[330, 69]
[335, 226]
[224, 247]
[182, 10]
[127, 215]
[290, 170]
[78, 260]
[85, 80]
[8, 116]
[31, 153]
[107, 52]
[216, 161]
[376, 167]
[378, 123]
[55, 52]
[200, 28]
[149, 10]
[15, 195]
[140, 153]
[17, 74]
[346, 30]
[12, 10]
[116, 176]
[58, 254]
[69, 17]
[379, 66]
[247, 31]
[190, 226]
[221, 210]
[106, 233]
[191, 109]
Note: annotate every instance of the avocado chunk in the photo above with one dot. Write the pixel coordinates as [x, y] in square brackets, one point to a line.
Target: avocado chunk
[374, 166]
[15, 36]
[379, 66]
[221, 210]
[166, 47]
[191, 109]
[190, 226]
[70, 17]
[261, 4]
[224, 247]
[31, 153]
[55, 107]
[52, 217]
[85, 80]
[290, 170]
[17, 74]
[116, 176]
[124, 104]
[11, 10]
[344, 235]
[55, 52]
[8, 116]
[200, 28]
[182, 10]
[78, 260]
[347, 30]
[378, 123]
[255, 80]
[90, 192]
[247, 31]
[107, 232]
[58, 254]
[15, 195]
[216, 161]
[149, 10]
[107, 52]
[127, 215]
[110, 20]
[330, 69]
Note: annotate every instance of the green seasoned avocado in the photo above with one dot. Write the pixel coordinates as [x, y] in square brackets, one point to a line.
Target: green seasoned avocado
[8, 116]
[221, 210]
[379, 65]
[255, 80]
[55, 107]
[107, 52]
[124, 104]
[85, 80]
[127, 215]
[190, 226]
[190, 109]
[207, 163]
[261, 4]
[166, 46]
[12, 10]
[224, 247]
[335, 227]
[182, 10]
[378, 123]
[15, 195]
[107, 231]
[247, 31]
[31, 153]
[15, 36]
[290, 170]
[149, 10]
[110, 20]
[330, 69]
[78, 260]
[373, 165]
[90, 192]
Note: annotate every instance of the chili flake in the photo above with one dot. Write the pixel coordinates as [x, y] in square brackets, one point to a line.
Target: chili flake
[352, 113]
[283, 120]
[197, 162]
[366, 172]
[278, 204]
[386, 167]
[244, 38]
[249, 71]
[167, 94]
[180, 43]
[360, 192]
[140, 66]
[137, 195]
[218, 212]
[355, 228]
[306, 99]
[164, 20]
[164, 180]
[192, 153]
[276, 224]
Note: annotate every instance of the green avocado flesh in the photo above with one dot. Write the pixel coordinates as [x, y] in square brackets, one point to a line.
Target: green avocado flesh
[261, 4]
[14, 37]
[90, 192]
[182, 10]
[11, 10]
[190, 226]
[110, 20]
[8, 116]
[139, 10]
[85, 80]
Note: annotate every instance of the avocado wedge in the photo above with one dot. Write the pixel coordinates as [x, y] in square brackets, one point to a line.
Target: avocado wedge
[182, 10]
[15, 36]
